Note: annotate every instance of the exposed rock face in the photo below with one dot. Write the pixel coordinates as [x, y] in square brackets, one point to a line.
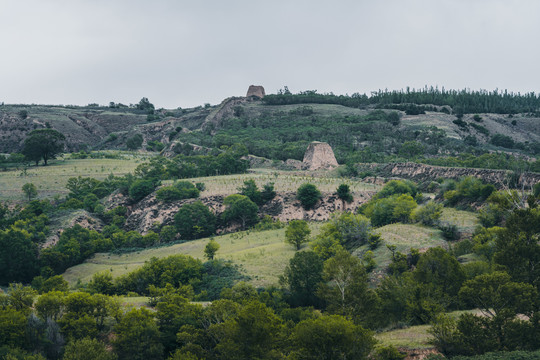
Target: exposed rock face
[255, 90]
[224, 111]
[284, 207]
[319, 155]
[292, 164]
[421, 172]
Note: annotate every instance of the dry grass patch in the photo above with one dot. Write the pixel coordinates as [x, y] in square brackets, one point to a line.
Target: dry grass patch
[51, 180]
[262, 255]
[404, 237]
[414, 337]
[466, 221]
[284, 181]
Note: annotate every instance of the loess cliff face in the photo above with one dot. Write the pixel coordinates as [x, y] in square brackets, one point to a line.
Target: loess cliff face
[422, 172]
[284, 207]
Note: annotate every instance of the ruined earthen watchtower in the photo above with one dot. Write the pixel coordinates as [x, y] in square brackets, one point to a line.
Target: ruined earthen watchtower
[319, 155]
[255, 90]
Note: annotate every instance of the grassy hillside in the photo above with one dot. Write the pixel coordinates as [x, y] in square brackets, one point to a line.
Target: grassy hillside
[51, 180]
[284, 181]
[404, 237]
[262, 255]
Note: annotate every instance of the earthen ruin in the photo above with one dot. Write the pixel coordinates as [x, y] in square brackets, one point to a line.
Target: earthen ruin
[319, 155]
[256, 90]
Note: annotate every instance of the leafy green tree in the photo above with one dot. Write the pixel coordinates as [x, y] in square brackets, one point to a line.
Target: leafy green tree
[240, 208]
[503, 141]
[23, 114]
[54, 283]
[175, 270]
[140, 189]
[167, 233]
[19, 354]
[302, 277]
[194, 221]
[353, 230]
[345, 288]
[397, 187]
[43, 144]
[18, 256]
[297, 233]
[138, 337]
[396, 208]
[168, 194]
[441, 273]
[393, 118]
[331, 337]
[428, 214]
[12, 327]
[495, 293]
[251, 190]
[517, 247]
[252, 334]
[134, 142]
[411, 149]
[50, 305]
[344, 193]
[102, 283]
[29, 190]
[309, 195]
[211, 249]
[87, 349]
[145, 104]
[268, 192]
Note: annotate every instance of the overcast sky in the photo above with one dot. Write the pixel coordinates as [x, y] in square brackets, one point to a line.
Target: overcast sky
[187, 53]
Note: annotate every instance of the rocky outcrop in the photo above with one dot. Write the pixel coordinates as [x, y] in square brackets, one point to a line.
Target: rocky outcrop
[148, 211]
[292, 164]
[256, 90]
[224, 111]
[77, 217]
[284, 207]
[319, 155]
[422, 172]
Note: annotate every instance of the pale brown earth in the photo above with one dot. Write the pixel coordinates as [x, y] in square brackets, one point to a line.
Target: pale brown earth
[256, 90]
[422, 172]
[319, 155]
[284, 207]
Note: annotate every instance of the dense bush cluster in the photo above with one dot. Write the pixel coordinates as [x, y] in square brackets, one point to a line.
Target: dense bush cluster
[461, 101]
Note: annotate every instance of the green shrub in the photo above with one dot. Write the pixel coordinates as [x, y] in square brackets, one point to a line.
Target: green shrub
[344, 193]
[428, 214]
[397, 187]
[449, 231]
[503, 141]
[134, 142]
[388, 353]
[195, 221]
[168, 194]
[268, 192]
[167, 233]
[297, 233]
[309, 195]
[396, 208]
[241, 209]
[140, 189]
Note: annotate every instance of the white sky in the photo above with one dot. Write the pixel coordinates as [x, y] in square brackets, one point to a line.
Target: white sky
[187, 53]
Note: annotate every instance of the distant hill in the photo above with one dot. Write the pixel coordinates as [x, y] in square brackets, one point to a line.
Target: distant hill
[280, 126]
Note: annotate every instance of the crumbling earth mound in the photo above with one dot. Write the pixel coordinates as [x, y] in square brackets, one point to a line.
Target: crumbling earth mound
[319, 155]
